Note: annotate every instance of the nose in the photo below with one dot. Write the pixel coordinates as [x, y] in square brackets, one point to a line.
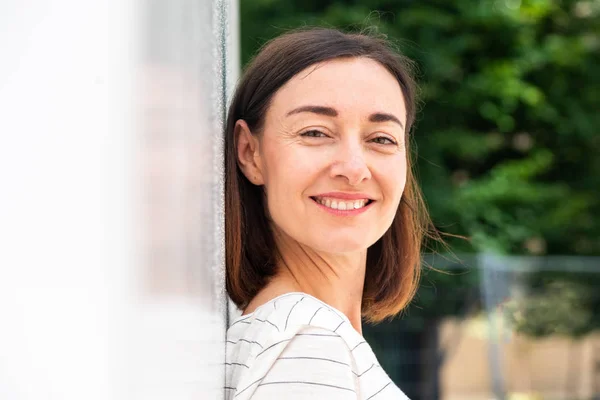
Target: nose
[351, 165]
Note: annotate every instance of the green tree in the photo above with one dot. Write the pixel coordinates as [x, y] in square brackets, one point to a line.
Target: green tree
[507, 135]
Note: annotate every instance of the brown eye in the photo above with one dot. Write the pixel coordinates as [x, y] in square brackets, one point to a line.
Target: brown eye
[313, 133]
[383, 140]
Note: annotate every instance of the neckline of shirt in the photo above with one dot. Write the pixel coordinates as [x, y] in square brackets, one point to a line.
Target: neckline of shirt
[341, 314]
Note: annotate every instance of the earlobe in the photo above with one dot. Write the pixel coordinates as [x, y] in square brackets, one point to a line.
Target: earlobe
[248, 154]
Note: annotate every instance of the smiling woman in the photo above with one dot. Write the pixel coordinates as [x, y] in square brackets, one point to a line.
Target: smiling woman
[324, 219]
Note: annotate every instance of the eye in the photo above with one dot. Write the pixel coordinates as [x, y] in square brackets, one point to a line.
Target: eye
[313, 133]
[383, 140]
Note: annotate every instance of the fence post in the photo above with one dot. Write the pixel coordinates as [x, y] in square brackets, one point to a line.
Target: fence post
[491, 293]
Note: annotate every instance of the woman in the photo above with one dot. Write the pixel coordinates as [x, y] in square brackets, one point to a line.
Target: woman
[324, 219]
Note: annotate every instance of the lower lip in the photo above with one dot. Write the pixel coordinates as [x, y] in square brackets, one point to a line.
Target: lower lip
[344, 213]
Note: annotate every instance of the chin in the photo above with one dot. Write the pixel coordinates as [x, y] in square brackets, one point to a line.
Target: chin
[341, 246]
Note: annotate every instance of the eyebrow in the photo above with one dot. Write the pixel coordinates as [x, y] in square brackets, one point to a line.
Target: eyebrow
[332, 112]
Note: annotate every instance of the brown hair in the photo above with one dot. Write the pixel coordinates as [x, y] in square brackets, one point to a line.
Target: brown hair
[394, 261]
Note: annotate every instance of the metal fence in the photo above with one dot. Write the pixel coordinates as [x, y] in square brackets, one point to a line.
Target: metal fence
[524, 328]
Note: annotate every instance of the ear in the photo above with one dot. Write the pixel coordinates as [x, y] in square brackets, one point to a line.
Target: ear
[248, 153]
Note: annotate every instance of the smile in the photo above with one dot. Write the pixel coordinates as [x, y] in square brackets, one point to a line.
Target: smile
[339, 204]
[342, 207]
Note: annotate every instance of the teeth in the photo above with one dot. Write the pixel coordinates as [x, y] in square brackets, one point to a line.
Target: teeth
[341, 205]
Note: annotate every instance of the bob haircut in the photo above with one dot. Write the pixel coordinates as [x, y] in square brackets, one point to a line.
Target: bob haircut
[394, 261]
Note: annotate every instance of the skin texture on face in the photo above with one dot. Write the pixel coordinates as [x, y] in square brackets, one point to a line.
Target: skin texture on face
[331, 128]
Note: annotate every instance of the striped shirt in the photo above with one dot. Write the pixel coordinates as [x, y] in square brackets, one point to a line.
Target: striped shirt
[296, 347]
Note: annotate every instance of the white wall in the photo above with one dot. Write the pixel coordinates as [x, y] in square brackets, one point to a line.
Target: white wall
[111, 218]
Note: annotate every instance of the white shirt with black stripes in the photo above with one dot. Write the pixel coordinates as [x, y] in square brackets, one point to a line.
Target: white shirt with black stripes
[296, 347]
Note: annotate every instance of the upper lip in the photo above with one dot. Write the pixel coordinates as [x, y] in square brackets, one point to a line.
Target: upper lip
[345, 196]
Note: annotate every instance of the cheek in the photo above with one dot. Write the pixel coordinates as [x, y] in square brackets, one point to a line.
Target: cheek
[289, 175]
[402, 177]
[392, 177]
[290, 170]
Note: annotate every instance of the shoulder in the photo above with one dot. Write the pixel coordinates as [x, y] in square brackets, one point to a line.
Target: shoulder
[300, 345]
[288, 316]
[302, 362]
[288, 313]
[295, 331]
[272, 326]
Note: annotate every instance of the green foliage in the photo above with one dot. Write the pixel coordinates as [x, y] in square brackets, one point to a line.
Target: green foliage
[559, 309]
[507, 136]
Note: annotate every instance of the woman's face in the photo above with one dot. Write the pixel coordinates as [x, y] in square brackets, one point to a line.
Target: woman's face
[332, 155]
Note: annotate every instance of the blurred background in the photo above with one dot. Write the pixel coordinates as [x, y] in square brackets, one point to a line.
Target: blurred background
[508, 156]
[111, 224]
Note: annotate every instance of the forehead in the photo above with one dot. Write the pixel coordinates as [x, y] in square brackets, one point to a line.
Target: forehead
[351, 85]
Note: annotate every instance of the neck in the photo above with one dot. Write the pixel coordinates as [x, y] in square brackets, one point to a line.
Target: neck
[335, 279]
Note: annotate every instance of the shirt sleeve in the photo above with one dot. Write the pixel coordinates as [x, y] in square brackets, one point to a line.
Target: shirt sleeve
[315, 364]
